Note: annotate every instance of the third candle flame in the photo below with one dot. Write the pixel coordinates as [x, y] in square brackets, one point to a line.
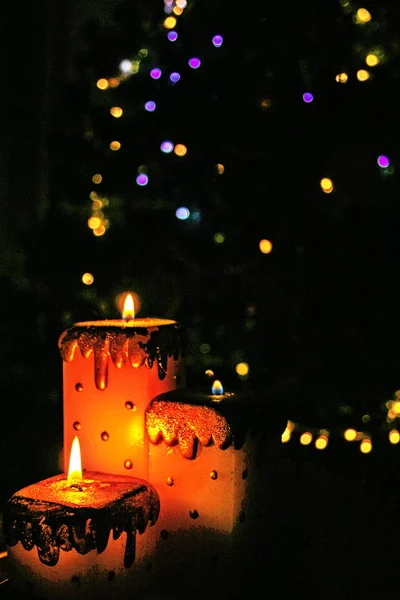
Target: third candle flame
[129, 308]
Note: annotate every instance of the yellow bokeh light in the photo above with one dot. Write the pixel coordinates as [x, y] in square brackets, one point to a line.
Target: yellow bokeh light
[209, 373]
[102, 84]
[99, 231]
[366, 446]
[87, 278]
[363, 15]
[169, 22]
[350, 435]
[219, 168]
[326, 185]
[94, 195]
[266, 103]
[394, 436]
[180, 150]
[115, 145]
[94, 222]
[321, 442]
[219, 238]
[306, 438]
[97, 205]
[177, 10]
[265, 246]
[116, 112]
[97, 178]
[342, 77]
[242, 369]
[286, 435]
[372, 60]
[143, 52]
[362, 75]
[396, 407]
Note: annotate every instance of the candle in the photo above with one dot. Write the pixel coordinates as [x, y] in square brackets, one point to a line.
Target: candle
[210, 457]
[76, 536]
[111, 370]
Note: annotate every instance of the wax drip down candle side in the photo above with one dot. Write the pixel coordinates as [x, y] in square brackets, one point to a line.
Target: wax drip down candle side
[111, 370]
[77, 535]
[211, 457]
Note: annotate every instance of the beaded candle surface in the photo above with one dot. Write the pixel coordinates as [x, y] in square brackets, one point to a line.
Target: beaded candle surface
[111, 370]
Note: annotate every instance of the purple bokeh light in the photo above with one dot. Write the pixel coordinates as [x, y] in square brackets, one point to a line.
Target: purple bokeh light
[172, 36]
[308, 97]
[155, 73]
[383, 161]
[217, 41]
[167, 147]
[182, 213]
[150, 106]
[142, 179]
[194, 62]
[174, 77]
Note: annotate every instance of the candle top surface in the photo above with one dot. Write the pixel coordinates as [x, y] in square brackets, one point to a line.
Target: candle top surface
[144, 323]
[96, 490]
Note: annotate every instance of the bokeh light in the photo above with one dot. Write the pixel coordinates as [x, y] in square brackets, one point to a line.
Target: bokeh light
[326, 185]
[102, 84]
[363, 16]
[194, 62]
[155, 73]
[180, 150]
[372, 60]
[308, 97]
[242, 369]
[306, 438]
[170, 22]
[383, 161]
[362, 75]
[94, 222]
[321, 442]
[97, 178]
[87, 278]
[125, 66]
[350, 434]
[265, 246]
[394, 436]
[219, 168]
[217, 40]
[342, 77]
[366, 445]
[219, 238]
[116, 112]
[182, 213]
[115, 145]
[142, 179]
[174, 77]
[172, 36]
[150, 106]
[166, 147]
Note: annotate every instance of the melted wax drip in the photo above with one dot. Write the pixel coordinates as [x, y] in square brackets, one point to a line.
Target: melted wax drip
[124, 348]
[186, 425]
[53, 527]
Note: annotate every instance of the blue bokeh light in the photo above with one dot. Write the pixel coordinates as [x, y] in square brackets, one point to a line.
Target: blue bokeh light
[182, 213]
[217, 41]
[172, 36]
[174, 77]
[167, 146]
[150, 106]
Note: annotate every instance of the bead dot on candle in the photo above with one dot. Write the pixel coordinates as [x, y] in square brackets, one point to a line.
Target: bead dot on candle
[170, 481]
[105, 436]
[79, 387]
[128, 464]
[77, 426]
[194, 514]
[164, 534]
[129, 405]
[214, 474]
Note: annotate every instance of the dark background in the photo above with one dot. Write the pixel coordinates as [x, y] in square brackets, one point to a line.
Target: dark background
[316, 320]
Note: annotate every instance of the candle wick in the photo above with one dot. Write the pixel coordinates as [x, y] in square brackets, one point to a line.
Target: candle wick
[76, 486]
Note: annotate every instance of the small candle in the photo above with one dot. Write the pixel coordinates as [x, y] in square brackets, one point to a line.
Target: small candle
[209, 460]
[71, 537]
[111, 370]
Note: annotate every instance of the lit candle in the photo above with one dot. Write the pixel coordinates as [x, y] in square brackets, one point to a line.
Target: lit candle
[210, 457]
[111, 370]
[76, 536]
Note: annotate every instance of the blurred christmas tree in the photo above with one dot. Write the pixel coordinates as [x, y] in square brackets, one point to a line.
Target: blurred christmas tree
[235, 169]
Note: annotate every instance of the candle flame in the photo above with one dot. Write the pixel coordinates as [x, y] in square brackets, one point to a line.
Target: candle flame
[129, 308]
[75, 463]
[217, 388]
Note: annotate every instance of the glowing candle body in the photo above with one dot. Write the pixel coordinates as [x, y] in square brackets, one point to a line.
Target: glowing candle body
[81, 541]
[209, 461]
[111, 370]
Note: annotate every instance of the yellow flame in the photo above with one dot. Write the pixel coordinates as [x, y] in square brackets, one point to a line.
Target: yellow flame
[129, 308]
[217, 388]
[75, 463]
